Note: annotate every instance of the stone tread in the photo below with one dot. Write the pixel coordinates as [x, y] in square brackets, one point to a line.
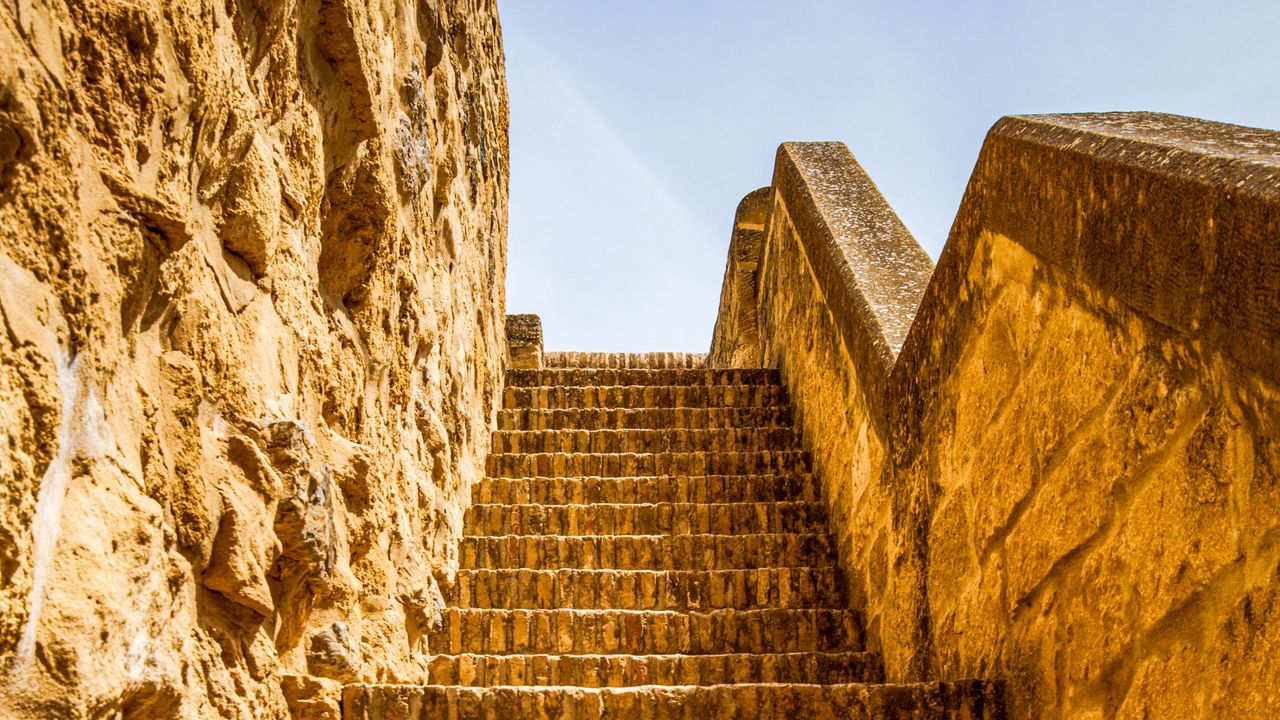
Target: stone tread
[625, 670]
[579, 377]
[964, 700]
[553, 464]
[672, 488]
[649, 552]
[695, 418]
[644, 441]
[648, 542]
[644, 396]
[644, 632]
[623, 360]
[797, 587]
[645, 519]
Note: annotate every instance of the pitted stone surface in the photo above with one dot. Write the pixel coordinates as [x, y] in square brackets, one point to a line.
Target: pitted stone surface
[856, 236]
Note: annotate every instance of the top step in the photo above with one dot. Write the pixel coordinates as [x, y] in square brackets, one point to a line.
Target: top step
[586, 377]
[647, 361]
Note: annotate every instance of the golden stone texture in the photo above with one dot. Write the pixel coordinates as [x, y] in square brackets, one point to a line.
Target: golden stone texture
[251, 291]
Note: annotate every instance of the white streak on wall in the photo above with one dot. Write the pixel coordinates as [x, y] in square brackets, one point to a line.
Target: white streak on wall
[138, 654]
[82, 430]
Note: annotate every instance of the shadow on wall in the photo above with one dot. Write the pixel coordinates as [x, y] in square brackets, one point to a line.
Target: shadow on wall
[1056, 457]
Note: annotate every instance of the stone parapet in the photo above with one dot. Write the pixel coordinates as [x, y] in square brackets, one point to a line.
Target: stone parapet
[524, 341]
[1061, 467]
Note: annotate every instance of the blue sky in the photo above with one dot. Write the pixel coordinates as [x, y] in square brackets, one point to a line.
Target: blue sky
[637, 127]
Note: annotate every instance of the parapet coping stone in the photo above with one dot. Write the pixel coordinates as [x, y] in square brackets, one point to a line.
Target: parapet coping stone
[1176, 218]
[1227, 156]
[865, 257]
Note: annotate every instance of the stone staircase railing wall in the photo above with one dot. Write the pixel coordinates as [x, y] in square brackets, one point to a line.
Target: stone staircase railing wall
[1053, 458]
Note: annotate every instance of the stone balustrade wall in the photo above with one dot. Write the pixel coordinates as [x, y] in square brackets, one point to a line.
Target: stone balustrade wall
[1055, 458]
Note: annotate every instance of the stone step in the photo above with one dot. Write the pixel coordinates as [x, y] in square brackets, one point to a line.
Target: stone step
[678, 488]
[578, 377]
[676, 440]
[797, 587]
[626, 670]
[644, 632]
[962, 700]
[702, 418]
[623, 360]
[648, 552]
[526, 465]
[645, 519]
[640, 396]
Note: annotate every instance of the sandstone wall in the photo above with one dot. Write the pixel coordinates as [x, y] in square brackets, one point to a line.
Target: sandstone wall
[251, 286]
[1066, 475]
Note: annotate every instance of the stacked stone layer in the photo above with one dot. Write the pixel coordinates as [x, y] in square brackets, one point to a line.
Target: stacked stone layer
[649, 542]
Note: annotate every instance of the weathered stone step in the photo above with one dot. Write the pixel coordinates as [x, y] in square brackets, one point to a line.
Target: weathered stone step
[644, 632]
[701, 418]
[644, 441]
[516, 465]
[623, 360]
[625, 670]
[796, 587]
[679, 488]
[964, 700]
[578, 377]
[649, 552]
[645, 519]
[639, 396]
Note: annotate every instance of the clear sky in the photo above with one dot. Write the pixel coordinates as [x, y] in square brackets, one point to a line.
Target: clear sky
[636, 127]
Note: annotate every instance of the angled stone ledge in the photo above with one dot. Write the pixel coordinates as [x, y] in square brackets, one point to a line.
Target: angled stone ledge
[871, 270]
[1176, 217]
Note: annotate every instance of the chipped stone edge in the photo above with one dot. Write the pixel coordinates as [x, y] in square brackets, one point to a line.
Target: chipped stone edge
[1040, 180]
[524, 341]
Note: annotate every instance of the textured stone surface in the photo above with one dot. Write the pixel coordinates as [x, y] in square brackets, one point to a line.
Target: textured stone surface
[1064, 478]
[251, 291]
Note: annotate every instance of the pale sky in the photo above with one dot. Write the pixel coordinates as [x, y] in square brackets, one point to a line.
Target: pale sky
[637, 127]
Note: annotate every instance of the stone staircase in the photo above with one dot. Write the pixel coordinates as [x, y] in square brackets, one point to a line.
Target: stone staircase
[649, 543]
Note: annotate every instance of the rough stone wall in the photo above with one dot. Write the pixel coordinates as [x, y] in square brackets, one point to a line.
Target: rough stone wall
[1078, 490]
[251, 287]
